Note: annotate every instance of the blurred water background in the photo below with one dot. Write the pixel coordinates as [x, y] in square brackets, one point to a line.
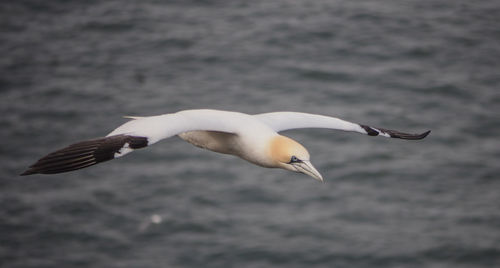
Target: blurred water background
[70, 69]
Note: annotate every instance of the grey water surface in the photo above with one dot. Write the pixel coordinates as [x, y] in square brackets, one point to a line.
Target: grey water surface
[69, 71]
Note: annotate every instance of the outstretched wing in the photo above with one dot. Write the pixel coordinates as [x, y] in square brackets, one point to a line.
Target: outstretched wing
[86, 153]
[135, 134]
[280, 121]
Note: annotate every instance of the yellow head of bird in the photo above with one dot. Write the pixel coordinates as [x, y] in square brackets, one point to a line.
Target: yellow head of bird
[291, 155]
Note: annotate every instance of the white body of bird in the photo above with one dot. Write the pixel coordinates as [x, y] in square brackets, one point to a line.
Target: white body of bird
[254, 138]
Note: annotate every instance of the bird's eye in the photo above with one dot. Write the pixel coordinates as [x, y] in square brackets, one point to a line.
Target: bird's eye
[294, 159]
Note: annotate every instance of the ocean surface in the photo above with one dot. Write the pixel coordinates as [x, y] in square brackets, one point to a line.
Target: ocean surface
[69, 71]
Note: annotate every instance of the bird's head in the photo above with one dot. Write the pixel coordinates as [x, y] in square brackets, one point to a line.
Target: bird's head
[291, 155]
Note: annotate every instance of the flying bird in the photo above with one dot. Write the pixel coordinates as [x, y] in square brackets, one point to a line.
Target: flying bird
[254, 138]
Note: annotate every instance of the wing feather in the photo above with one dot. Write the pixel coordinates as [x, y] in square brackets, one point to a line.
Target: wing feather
[137, 133]
[84, 154]
[280, 121]
[159, 127]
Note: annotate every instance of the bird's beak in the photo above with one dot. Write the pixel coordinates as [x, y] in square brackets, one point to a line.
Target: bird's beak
[307, 168]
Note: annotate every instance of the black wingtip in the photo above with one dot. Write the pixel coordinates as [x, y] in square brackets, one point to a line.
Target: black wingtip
[405, 136]
[393, 133]
[425, 134]
[84, 154]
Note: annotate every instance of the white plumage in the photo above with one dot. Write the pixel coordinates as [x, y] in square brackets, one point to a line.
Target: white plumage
[254, 138]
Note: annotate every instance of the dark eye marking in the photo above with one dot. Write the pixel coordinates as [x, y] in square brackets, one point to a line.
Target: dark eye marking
[294, 159]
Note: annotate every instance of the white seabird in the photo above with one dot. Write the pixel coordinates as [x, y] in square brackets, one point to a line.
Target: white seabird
[254, 138]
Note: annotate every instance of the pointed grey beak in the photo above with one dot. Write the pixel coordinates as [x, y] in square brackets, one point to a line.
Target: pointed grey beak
[307, 168]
